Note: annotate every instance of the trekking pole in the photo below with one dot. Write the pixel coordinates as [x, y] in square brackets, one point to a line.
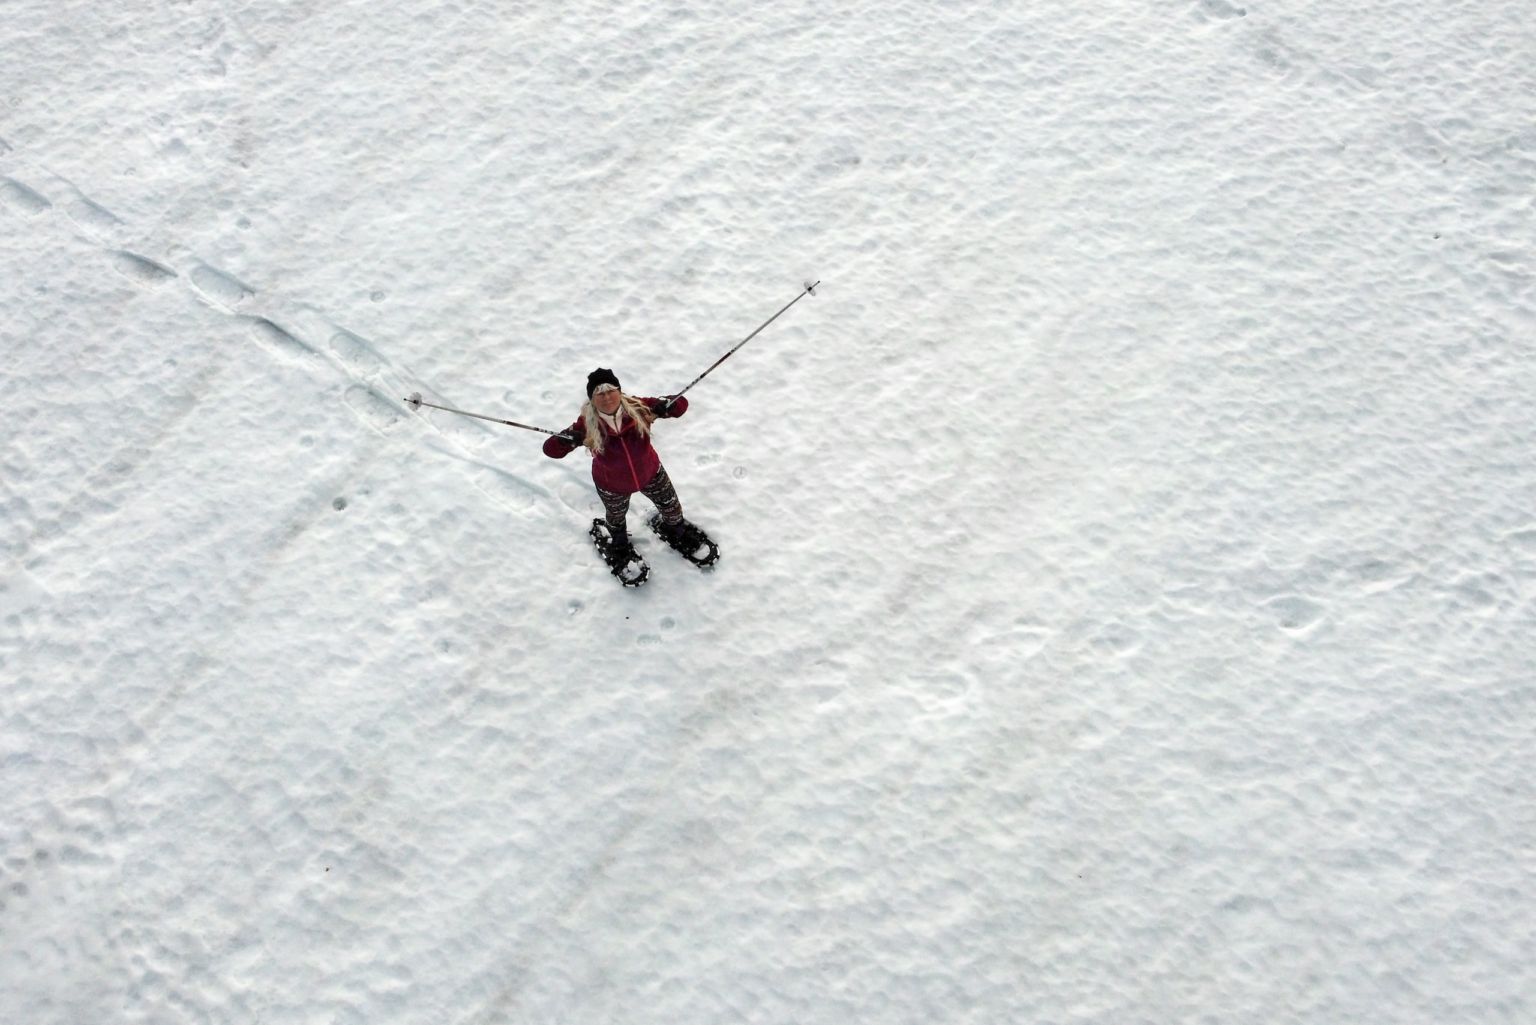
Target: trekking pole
[809, 289]
[414, 401]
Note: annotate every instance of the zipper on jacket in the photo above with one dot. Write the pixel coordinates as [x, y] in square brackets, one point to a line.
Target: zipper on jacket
[632, 474]
[618, 436]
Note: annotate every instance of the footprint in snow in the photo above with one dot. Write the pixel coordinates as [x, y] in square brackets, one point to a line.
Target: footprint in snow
[218, 286]
[1115, 638]
[506, 489]
[140, 268]
[356, 354]
[372, 408]
[1293, 612]
[278, 342]
[28, 201]
[97, 220]
[1377, 576]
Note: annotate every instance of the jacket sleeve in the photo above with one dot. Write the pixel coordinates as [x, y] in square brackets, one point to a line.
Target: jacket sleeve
[559, 448]
[679, 407]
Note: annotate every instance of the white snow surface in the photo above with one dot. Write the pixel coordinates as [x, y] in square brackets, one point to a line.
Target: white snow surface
[1127, 609]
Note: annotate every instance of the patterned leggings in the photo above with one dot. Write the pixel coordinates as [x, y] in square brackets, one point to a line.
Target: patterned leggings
[658, 489]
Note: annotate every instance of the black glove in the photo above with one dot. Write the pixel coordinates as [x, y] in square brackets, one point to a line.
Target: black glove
[665, 408]
[569, 438]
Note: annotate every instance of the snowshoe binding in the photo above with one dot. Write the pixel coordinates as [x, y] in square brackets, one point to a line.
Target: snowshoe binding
[623, 561]
[688, 541]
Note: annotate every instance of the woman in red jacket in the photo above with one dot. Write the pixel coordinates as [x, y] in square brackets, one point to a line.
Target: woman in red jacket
[616, 429]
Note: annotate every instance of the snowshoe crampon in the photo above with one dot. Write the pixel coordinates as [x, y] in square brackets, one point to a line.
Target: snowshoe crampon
[624, 563]
[688, 541]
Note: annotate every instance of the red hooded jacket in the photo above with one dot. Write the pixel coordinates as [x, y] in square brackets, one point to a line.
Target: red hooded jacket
[628, 462]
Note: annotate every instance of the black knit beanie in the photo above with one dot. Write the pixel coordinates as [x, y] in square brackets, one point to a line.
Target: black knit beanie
[602, 375]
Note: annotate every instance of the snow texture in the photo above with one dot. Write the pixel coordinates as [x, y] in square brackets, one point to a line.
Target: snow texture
[1128, 588]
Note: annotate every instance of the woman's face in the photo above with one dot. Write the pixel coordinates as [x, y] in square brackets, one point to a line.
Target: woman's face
[606, 401]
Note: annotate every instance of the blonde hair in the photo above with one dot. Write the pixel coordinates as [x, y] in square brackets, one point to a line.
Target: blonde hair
[633, 408]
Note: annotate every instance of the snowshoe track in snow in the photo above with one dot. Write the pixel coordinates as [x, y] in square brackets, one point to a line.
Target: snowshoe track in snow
[358, 359]
[219, 287]
[140, 269]
[281, 344]
[96, 220]
[372, 408]
[506, 489]
[19, 196]
[356, 354]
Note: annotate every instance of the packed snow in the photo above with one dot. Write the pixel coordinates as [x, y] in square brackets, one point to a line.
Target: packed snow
[1127, 601]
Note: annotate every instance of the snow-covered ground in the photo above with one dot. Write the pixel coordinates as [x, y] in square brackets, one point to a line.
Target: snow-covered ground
[1128, 601]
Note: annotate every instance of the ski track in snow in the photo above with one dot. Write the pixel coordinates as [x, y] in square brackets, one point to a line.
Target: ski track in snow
[1129, 556]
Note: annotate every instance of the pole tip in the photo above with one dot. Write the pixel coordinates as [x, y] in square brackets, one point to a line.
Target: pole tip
[414, 400]
[810, 286]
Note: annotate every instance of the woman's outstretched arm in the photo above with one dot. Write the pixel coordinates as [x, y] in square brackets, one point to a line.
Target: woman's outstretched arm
[558, 446]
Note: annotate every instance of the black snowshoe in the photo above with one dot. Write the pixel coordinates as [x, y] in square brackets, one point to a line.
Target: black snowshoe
[688, 541]
[623, 561]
